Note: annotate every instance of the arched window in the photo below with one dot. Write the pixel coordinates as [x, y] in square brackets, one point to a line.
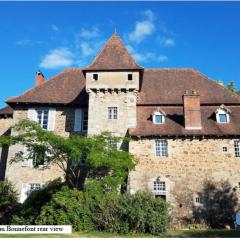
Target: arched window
[222, 114]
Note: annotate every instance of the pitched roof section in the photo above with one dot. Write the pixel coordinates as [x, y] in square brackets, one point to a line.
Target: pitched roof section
[67, 87]
[166, 86]
[174, 123]
[6, 111]
[113, 56]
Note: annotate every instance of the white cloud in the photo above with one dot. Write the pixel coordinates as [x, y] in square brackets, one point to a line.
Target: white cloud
[149, 14]
[91, 33]
[162, 58]
[86, 49]
[140, 57]
[168, 42]
[143, 28]
[55, 28]
[59, 57]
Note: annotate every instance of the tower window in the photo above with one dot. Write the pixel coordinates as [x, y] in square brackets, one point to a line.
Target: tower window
[112, 113]
[95, 76]
[130, 77]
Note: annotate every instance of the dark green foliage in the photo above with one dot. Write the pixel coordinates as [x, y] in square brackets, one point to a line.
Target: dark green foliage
[8, 201]
[125, 213]
[69, 207]
[31, 208]
[80, 157]
[106, 212]
[219, 207]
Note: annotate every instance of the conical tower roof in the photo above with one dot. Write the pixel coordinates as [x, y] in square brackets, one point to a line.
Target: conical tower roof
[113, 56]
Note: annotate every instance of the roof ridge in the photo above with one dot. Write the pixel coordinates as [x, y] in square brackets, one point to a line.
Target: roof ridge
[217, 84]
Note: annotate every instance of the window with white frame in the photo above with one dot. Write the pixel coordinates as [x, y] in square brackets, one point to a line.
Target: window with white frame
[222, 116]
[198, 199]
[159, 188]
[42, 117]
[112, 113]
[158, 118]
[27, 188]
[161, 148]
[237, 148]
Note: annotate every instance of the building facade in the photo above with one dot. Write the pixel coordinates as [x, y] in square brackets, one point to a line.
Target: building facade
[185, 128]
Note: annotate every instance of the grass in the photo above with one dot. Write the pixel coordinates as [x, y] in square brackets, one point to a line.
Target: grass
[176, 233]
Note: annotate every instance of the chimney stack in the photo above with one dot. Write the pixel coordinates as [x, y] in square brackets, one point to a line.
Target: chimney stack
[39, 78]
[192, 111]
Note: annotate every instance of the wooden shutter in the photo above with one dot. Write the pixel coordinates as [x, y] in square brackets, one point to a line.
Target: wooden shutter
[32, 114]
[51, 119]
[78, 120]
[24, 192]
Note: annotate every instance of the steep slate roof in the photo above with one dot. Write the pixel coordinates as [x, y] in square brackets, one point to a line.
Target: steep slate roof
[166, 86]
[174, 123]
[67, 87]
[113, 56]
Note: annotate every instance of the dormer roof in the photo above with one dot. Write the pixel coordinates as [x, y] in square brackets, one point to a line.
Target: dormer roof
[114, 56]
[223, 107]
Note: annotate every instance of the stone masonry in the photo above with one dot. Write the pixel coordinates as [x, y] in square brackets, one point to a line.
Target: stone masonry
[190, 163]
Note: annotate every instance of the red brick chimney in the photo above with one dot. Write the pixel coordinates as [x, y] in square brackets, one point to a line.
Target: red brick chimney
[39, 78]
[192, 111]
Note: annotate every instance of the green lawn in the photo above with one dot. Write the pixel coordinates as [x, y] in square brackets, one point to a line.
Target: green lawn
[177, 233]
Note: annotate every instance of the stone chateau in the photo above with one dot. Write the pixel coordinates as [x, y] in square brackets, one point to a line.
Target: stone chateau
[185, 128]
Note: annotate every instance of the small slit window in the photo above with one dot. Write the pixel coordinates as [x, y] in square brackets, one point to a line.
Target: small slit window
[130, 77]
[95, 76]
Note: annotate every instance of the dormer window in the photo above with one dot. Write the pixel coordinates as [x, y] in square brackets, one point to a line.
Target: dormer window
[222, 115]
[158, 117]
[95, 76]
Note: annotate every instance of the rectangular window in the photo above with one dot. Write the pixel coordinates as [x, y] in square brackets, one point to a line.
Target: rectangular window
[130, 77]
[112, 113]
[237, 148]
[159, 118]
[95, 76]
[224, 149]
[159, 186]
[42, 117]
[161, 148]
[223, 118]
[85, 121]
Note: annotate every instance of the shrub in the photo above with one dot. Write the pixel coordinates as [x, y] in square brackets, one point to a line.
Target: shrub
[69, 207]
[32, 206]
[132, 213]
[8, 201]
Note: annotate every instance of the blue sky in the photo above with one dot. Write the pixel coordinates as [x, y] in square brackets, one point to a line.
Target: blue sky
[52, 36]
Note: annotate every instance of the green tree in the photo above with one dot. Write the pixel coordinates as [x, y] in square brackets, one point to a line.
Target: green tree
[81, 158]
[231, 86]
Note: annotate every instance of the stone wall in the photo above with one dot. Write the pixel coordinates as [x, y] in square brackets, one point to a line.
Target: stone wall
[18, 174]
[99, 101]
[190, 164]
[112, 80]
[5, 125]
